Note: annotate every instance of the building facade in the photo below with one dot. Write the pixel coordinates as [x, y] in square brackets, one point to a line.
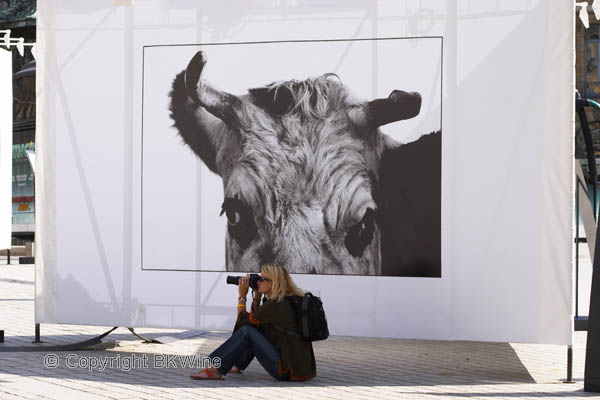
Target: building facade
[19, 17]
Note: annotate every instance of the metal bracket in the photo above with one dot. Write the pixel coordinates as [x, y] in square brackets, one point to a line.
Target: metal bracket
[146, 340]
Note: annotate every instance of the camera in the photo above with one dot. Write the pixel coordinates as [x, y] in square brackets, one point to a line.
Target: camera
[235, 280]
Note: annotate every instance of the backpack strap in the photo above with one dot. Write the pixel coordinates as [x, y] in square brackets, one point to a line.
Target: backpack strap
[286, 332]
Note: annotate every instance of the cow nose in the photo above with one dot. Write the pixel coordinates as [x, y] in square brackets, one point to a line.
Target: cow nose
[266, 255]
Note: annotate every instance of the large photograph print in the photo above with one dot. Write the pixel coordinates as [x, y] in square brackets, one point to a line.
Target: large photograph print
[322, 156]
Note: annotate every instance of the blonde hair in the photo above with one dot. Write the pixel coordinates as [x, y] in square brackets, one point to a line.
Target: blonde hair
[281, 282]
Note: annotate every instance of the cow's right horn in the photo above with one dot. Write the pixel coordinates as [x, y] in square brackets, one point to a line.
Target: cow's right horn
[221, 104]
[397, 107]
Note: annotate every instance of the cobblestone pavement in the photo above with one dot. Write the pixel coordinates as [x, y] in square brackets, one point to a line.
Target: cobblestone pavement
[348, 367]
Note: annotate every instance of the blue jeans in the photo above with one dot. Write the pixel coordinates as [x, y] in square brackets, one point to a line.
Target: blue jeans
[241, 348]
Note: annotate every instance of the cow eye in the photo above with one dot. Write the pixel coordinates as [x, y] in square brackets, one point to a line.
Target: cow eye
[360, 235]
[240, 221]
[233, 217]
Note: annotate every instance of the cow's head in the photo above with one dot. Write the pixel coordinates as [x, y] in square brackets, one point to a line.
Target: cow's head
[299, 162]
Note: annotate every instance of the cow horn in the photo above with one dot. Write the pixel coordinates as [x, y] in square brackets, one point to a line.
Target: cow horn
[397, 107]
[222, 105]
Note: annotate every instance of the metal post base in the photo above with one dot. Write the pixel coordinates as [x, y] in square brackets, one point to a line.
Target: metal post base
[145, 339]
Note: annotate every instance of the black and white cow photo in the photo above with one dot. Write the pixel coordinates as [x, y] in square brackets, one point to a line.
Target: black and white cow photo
[310, 178]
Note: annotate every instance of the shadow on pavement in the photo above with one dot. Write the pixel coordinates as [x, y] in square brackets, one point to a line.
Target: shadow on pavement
[341, 361]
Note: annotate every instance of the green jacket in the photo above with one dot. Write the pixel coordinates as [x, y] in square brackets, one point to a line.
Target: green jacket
[296, 357]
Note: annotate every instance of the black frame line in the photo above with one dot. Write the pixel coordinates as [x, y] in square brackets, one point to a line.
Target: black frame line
[295, 41]
[275, 42]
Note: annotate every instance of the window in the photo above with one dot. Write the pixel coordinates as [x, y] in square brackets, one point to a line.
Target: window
[591, 77]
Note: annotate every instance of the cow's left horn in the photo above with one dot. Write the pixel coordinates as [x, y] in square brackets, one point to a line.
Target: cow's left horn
[397, 107]
[221, 104]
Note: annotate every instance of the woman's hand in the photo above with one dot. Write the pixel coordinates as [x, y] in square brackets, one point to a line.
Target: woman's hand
[243, 285]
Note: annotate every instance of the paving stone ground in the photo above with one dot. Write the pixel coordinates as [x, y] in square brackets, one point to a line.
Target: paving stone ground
[348, 367]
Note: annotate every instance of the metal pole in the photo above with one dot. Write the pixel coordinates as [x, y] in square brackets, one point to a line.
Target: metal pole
[589, 147]
[570, 364]
[1, 336]
[8, 261]
[37, 334]
[592, 349]
[577, 250]
[594, 187]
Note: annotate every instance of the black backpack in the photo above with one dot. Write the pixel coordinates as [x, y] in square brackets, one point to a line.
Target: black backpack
[311, 324]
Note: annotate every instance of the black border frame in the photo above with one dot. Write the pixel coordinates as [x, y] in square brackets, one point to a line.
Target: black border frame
[273, 42]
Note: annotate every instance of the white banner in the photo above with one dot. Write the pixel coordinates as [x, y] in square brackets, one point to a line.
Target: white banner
[443, 211]
[6, 140]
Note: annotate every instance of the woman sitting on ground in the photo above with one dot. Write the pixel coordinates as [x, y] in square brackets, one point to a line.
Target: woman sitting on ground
[260, 333]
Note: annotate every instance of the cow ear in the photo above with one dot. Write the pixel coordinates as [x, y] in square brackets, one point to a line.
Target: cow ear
[276, 101]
